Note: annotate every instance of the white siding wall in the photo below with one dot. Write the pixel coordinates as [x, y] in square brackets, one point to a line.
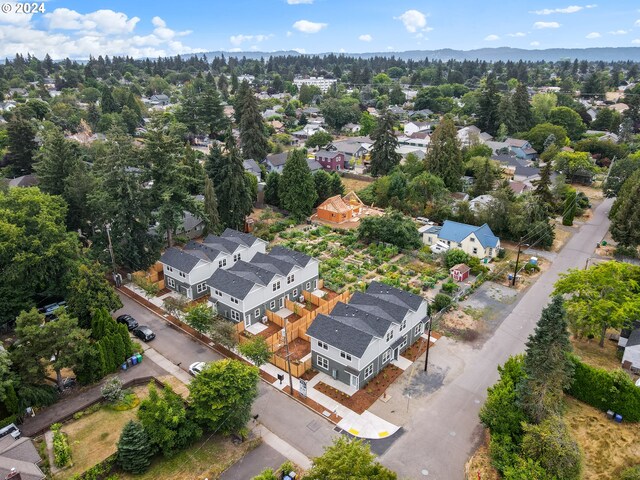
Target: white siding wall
[334, 354]
[632, 354]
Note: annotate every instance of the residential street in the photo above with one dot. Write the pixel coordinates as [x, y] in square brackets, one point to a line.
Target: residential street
[444, 428]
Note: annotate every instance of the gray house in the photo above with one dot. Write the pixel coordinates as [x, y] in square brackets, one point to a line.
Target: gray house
[245, 291]
[253, 168]
[19, 459]
[186, 270]
[357, 340]
[275, 162]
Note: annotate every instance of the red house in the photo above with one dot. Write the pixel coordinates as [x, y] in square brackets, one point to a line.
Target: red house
[333, 161]
[459, 272]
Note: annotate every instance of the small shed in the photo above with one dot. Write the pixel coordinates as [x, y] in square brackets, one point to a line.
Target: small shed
[459, 272]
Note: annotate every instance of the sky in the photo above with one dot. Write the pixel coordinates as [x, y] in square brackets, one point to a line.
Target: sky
[141, 28]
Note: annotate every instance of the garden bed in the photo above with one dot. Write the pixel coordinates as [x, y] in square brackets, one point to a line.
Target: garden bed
[367, 396]
[414, 351]
[298, 349]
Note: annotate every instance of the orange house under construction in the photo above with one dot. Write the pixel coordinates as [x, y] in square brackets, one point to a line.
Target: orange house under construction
[339, 209]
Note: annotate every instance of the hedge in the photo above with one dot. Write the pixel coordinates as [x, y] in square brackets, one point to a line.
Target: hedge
[61, 448]
[606, 390]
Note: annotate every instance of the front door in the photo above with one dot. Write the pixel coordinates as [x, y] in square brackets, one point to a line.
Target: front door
[355, 381]
[247, 320]
[396, 353]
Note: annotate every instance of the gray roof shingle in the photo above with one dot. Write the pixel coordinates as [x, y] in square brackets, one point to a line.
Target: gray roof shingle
[176, 258]
[340, 335]
[395, 295]
[634, 338]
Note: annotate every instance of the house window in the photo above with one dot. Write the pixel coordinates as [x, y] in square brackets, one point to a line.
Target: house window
[272, 304]
[322, 362]
[475, 250]
[386, 356]
[257, 312]
[419, 329]
[235, 315]
[234, 300]
[308, 285]
[345, 355]
[171, 282]
[201, 287]
[404, 342]
[218, 293]
[182, 275]
[222, 263]
[368, 371]
[389, 335]
[290, 279]
[323, 345]
[472, 239]
[403, 325]
[169, 269]
[236, 257]
[295, 293]
[276, 285]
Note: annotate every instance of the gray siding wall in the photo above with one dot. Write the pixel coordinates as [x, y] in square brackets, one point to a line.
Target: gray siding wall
[225, 309]
[181, 287]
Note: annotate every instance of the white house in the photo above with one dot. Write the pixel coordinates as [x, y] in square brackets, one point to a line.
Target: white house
[481, 202]
[322, 83]
[186, 270]
[357, 340]
[479, 242]
[413, 127]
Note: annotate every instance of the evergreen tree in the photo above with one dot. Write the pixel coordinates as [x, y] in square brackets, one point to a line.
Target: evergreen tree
[547, 364]
[296, 189]
[134, 448]
[213, 165]
[337, 187]
[383, 154]
[242, 92]
[56, 160]
[211, 112]
[93, 116]
[107, 103]
[88, 292]
[445, 157]
[485, 177]
[271, 189]
[522, 108]
[252, 130]
[22, 145]
[507, 115]
[488, 105]
[569, 207]
[625, 214]
[211, 216]
[543, 185]
[193, 170]
[322, 181]
[233, 191]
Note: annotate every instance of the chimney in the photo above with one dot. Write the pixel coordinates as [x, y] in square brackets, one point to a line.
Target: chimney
[13, 475]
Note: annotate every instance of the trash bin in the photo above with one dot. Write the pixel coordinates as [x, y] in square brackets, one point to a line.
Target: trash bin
[604, 243]
[610, 414]
[134, 360]
[129, 362]
[139, 357]
[124, 366]
[618, 418]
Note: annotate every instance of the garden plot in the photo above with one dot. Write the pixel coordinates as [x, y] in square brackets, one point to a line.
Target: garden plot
[347, 263]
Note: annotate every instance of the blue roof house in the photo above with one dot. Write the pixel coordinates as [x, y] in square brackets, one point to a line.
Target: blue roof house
[479, 242]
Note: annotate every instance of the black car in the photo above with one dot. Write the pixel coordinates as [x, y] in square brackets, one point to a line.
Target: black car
[128, 320]
[144, 333]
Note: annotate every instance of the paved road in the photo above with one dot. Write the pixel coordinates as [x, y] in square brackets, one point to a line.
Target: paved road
[288, 419]
[253, 463]
[444, 429]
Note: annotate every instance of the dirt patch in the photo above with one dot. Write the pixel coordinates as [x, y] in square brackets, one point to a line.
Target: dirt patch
[354, 184]
[479, 465]
[460, 325]
[561, 238]
[591, 353]
[592, 193]
[418, 348]
[366, 396]
[608, 447]
[309, 374]
[298, 349]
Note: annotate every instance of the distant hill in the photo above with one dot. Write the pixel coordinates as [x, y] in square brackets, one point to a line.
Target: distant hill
[487, 54]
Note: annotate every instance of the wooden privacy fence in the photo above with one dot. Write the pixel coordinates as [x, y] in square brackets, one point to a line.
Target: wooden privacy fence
[297, 328]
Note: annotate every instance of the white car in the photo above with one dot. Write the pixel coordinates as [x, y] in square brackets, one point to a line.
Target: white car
[196, 368]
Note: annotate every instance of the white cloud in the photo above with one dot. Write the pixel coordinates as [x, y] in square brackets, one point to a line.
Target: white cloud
[540, 25]
[569, 9]
[298, 2]
[593, 35]
[389, 47]
[535, 44]
[103, 32]
[365, 38]
[289, 34]
[637, 24]
[14, 18]
[517, 34]
[413, 20]
[492, 38]
[299, 50]
[305, 26]
[619, 32]
[239, 39]
[636, 41]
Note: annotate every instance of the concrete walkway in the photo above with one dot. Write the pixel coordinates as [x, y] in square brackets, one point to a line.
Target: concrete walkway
[283, 447]
[166, 364]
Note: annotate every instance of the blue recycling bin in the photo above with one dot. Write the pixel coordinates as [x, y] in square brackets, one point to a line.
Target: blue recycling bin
[134, 360]
[618, 418]
[124, 366]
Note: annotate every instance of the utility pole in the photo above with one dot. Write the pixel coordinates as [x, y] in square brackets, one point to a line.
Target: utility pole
[426, 358]
[113, 260]
[286, 346]
[515, 271]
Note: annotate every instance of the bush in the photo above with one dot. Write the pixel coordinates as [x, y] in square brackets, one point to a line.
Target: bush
[632, 473]
[450, 287]
[606, 390]
[8, 420]
[112, 390]
[441, 301]
[623, 251]
[61, 448]
[531, 268]
[455, 256]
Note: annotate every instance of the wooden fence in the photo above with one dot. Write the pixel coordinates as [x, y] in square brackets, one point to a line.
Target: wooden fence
[297, 328]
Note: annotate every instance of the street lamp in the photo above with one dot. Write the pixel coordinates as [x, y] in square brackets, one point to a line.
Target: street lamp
[515, 271]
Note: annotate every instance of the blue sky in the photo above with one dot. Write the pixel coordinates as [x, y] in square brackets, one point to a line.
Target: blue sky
[76, 28]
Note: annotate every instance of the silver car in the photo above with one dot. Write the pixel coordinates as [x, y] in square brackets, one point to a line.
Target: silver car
[196, 368]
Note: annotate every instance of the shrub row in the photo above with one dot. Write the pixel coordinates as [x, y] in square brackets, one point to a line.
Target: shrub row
[606, 390]
[61, 448]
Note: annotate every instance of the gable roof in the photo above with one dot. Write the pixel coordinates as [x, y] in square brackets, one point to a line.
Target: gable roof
[241, 237]
[457, 232]
[634, 338]
[340, 335]
[335, 204]
[313, 165]
[22, 455]
[461, 267]
[516, 142]
[277, 159]
[251, 166]
[395, 295]
[176, 258]
[328, 154]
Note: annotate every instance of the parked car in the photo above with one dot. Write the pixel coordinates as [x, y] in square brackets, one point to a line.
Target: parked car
[49, 311]
[196, 368]
[10, 429]
[128, 320]
[67, 383]
[144, 333]
[423, 220]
